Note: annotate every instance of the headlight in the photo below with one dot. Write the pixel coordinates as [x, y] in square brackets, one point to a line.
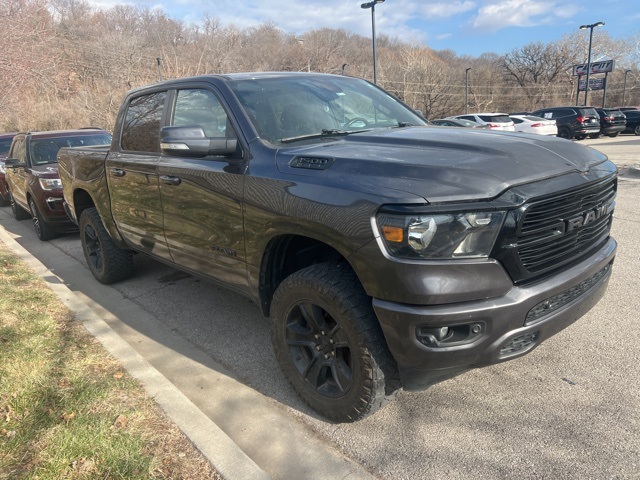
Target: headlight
[440, 236]
[50, 183]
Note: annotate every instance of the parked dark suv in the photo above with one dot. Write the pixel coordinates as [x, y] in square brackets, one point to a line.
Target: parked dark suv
[612, 122]
[633, 122]
[35, 189]
[5, 145]
[572, 122]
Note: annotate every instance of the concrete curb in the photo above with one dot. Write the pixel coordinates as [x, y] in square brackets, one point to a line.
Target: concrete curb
[222, 452]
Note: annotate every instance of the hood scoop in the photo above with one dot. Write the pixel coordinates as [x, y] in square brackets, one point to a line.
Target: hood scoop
[312, 163]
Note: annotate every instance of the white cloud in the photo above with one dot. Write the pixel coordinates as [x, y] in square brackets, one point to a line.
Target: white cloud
[446, 9]
[513, 13]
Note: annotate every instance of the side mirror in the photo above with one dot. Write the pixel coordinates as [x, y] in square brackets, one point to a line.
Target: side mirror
[191, 141]
[14, 163]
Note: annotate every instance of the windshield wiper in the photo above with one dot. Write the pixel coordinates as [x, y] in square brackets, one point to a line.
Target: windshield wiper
[406, 124]
[326, 132]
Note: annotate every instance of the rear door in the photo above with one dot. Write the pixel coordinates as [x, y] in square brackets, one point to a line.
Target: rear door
[18, 178]
[202, 197]
[132, 175]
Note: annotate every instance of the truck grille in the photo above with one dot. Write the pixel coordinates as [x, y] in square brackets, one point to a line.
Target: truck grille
[559, 230]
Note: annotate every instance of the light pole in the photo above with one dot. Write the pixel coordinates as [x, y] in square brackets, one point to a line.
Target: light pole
[466, 89]
[590, 27]
[372, 6]
[624, 87]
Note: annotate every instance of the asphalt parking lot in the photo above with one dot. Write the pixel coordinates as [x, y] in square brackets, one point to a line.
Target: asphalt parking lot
[568, 410]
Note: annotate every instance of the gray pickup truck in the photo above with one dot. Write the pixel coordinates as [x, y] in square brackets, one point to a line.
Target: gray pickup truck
[387, 253]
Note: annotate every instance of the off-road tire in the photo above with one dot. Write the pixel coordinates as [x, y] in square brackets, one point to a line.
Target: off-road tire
[107, 262]
[18, 212]
[329, 343]
[44, 231]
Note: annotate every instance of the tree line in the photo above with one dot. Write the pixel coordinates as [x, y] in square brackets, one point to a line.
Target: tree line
[65, 64]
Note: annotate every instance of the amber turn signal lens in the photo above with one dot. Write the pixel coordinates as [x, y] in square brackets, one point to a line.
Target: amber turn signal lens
[393, 234]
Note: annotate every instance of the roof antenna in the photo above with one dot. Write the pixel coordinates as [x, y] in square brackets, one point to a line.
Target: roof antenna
[159, 68]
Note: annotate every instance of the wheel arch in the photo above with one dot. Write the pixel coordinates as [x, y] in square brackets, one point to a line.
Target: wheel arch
[286, 254]
[83, 200]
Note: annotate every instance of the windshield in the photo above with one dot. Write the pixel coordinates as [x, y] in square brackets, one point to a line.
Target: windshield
[45, 150]
[588, 112]
[496, 118]
[291, 108]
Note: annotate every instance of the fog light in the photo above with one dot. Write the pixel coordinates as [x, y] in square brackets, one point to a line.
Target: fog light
[439, 333]
[452, 335]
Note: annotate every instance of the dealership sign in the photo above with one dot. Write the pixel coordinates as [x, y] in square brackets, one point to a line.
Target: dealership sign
[594, 84]
[605, 66]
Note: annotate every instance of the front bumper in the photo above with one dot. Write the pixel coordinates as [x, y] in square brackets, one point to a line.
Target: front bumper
[52, 209]
[485, 332]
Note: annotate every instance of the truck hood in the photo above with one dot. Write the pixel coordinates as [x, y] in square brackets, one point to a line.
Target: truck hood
[49, 170]
[439, 164]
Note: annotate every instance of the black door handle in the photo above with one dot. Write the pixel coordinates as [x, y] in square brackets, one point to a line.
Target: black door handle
[170, 180]
[117, 172]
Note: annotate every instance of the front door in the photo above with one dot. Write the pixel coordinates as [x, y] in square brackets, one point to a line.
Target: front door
[202, 197]
[18, 178]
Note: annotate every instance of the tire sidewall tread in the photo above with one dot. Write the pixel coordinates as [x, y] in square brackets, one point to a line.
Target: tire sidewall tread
[335, 288]
[44, 231]
[117, 264]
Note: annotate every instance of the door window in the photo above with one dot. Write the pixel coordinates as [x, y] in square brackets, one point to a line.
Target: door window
[200, 107]
[141, 129]
[19, 150]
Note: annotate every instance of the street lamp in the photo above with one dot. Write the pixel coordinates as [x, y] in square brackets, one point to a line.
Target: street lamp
[466, 89]
[624, 87]
[372, 6]
[590, 27]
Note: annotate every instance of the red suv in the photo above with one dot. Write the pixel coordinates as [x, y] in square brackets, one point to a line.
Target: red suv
[31, 168]
[5, 144]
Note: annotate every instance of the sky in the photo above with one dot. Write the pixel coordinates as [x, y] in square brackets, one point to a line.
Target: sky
[467, 27]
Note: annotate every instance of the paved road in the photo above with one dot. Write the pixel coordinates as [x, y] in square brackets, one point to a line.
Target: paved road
[570, 409]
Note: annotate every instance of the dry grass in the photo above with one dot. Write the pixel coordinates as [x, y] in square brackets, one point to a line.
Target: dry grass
[67, 409]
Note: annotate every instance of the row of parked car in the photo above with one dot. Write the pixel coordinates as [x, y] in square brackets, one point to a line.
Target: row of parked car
[566, 122]
[29, 179]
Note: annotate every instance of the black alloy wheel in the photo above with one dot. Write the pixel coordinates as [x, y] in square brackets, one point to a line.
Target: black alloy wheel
[44, 231]
[329, 343]
[564, 132]
[18, 212]
[105, 259]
